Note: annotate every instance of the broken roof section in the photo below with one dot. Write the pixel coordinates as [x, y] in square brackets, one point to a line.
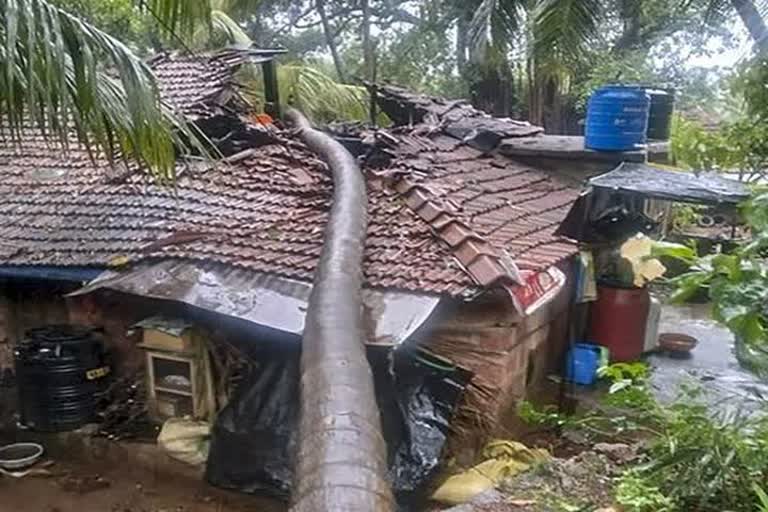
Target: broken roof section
[456, 118]
[203, 85]
[497, 216]
[446, 218]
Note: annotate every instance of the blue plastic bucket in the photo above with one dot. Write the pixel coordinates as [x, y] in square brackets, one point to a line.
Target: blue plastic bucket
[582, 363]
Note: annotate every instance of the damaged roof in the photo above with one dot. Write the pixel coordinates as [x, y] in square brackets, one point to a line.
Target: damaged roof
[265, 212]
[201, 85]
[445, 218]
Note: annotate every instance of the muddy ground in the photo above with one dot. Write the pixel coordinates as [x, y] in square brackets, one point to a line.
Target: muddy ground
[76, 487]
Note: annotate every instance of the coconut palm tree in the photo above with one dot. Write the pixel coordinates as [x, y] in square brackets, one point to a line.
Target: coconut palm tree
[554, 36]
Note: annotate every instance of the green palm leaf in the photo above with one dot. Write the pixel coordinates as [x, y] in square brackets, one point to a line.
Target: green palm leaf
[319, 96]
[184, 17]
[53, 75]
[495, 22]
[224, 24]
[565, 28]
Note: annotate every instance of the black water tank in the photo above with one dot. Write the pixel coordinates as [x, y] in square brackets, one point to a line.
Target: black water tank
[660, 114]
[60, 371]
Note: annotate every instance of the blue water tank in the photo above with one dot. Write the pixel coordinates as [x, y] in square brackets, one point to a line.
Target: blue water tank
[617, 118]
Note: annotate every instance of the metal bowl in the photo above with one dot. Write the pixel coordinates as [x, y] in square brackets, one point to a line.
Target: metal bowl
[20, 455]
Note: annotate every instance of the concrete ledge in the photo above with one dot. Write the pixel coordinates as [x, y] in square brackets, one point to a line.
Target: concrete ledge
[572, 147]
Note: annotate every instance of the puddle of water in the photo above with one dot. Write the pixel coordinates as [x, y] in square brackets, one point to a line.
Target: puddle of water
[712, 364]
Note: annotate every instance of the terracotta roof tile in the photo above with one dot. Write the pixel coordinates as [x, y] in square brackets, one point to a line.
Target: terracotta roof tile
[197, 85]
[444, 218]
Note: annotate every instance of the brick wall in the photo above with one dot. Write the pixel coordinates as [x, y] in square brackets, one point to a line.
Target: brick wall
[510, 356]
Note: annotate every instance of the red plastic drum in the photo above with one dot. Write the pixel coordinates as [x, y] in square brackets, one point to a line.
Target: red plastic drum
[618, 320]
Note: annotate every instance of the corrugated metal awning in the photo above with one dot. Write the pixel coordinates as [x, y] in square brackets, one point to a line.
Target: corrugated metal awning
[653, 182]
[277, 302]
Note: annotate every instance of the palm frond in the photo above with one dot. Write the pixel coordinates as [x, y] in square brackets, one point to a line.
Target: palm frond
[565, 28]
[319, 96]
[52, 74]
[223, 31]
[494, 22]
[224, 24]
[184, 16]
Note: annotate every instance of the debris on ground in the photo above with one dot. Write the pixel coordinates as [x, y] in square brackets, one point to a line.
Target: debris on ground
[83, 484]
[619, 453]
[581, 482]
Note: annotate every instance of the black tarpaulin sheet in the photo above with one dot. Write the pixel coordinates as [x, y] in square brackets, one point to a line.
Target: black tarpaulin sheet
[254, 436]
[655, 183]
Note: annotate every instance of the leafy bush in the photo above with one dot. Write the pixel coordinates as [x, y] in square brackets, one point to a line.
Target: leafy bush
[635, 494]
[696, 458]
[737, 284]
[707, 461]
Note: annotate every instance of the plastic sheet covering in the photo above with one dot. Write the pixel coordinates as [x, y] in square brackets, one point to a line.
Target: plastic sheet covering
[657, 183]
[255, 436]
[276, 302]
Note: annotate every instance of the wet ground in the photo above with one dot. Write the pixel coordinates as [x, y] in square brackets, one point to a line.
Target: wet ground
[712, 364]
[74, 487]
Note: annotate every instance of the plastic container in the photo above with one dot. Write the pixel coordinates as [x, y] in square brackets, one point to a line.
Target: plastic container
[617, 118]
[618, 321]
[582, 363]
[19, 455]
[60, 370]
[660, 113]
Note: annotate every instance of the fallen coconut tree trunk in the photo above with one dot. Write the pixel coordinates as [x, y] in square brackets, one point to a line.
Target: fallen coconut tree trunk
[341, 459]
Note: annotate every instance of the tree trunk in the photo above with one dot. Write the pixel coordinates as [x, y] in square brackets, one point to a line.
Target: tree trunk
[754, 22]
[535, 112]
[461, 45]
[330, 40]
[368, 56]
[341, 463]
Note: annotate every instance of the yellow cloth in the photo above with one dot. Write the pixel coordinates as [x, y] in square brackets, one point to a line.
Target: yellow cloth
[503, 459]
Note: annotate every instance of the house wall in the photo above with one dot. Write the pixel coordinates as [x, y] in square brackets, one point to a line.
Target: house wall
[510, 356]
[116, 313]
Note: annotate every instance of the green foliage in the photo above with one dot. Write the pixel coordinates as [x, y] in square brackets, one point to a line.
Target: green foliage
[685, 253]
[737, 284]
[629, 393]
[762, 498]
[740, 143]
[307, 88]
[121, 18]
[564, 29]
[628, 408]
[635, 494]
[705, 460]
[52, 73]
[421, 58]
[546, 417]
[696, 457]
[319, 96]
[695, 147]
